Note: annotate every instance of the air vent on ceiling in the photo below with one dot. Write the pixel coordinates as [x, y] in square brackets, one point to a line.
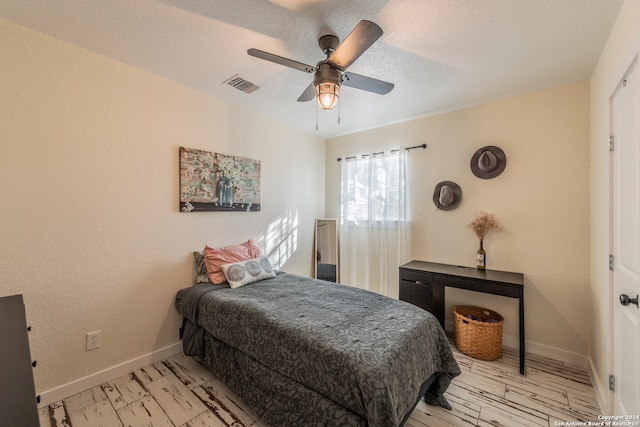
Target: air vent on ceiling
[241, 84]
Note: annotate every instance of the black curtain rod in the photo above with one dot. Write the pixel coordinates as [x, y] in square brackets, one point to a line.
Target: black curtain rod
[395, 150]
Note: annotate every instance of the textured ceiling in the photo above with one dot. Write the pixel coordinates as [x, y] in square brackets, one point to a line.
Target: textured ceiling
[440, 54]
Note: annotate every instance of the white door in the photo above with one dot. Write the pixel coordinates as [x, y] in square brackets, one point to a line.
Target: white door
[626, 243]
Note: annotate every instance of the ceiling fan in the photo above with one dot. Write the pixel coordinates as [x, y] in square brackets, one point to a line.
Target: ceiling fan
[331, 73]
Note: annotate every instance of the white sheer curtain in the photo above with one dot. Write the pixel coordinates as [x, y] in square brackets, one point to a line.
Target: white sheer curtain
[373, 221]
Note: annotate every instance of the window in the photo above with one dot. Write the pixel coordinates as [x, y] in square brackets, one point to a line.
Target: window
[373, 189]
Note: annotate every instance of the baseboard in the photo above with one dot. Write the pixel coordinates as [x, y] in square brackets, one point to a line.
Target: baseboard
[513, 342]
[74, 387]
[601, 390]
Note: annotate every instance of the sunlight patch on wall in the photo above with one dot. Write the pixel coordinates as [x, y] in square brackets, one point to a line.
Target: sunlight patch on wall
[281, 238]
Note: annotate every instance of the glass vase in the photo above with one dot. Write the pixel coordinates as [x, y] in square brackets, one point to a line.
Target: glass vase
[225, 192]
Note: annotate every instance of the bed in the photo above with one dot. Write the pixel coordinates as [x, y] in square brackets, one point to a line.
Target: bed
[302, 351]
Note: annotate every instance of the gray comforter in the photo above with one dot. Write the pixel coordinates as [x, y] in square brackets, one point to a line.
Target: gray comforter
[364, 351]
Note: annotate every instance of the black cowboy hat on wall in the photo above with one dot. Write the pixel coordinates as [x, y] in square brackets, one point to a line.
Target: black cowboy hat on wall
[447, 195]
[488, 162]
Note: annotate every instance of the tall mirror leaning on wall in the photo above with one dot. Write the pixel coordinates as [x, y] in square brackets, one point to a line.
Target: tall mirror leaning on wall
[327, 260]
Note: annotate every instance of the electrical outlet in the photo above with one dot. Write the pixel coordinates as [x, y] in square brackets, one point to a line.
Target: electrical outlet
[94, 339]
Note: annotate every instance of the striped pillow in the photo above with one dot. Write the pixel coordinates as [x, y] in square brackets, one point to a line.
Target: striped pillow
[201, 269]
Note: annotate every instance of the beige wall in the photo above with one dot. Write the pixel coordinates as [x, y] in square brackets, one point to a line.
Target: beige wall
[92, 237]
[91, 232]
[622, 46]
[542, 199]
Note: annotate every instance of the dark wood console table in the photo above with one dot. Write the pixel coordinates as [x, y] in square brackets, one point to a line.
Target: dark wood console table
[422, 284]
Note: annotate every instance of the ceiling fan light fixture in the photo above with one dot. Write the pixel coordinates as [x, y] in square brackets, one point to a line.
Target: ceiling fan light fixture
[328, 94]
[327, 81]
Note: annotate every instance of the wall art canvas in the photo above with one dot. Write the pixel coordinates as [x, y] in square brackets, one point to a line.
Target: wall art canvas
[218, 182]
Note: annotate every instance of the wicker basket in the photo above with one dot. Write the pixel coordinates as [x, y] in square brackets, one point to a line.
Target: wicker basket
[478, 338]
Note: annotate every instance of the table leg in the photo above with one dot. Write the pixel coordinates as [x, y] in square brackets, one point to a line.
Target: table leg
[522, 349]
[437, 298]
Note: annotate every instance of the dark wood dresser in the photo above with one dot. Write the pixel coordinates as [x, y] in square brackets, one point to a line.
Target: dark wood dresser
[17, 392]
[422, 284]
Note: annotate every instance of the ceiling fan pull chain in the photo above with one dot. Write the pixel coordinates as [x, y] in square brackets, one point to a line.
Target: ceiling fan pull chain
[339, 103]
[316, 116]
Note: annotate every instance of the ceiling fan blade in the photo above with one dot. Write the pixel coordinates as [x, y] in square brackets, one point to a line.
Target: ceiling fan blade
[281, 60]
[366, 83]
[356, 43]
[308, 94]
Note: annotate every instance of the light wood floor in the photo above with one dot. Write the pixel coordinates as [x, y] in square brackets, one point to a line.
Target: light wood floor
[179, 392]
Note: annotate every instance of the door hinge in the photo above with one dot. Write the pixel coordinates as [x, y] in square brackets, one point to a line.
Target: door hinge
[611, 260]
[611, 142]
[612, 382]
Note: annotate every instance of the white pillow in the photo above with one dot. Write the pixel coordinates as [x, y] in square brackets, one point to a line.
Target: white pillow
[249, 271]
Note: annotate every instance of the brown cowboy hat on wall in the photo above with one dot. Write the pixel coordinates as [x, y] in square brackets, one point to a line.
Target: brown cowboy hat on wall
[447, 195]
[488, 162]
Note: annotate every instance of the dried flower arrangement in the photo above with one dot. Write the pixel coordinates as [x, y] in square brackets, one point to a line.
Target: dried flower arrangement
[484, 225]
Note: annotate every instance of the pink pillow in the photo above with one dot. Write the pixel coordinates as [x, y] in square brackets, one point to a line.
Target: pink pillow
[214, 259]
